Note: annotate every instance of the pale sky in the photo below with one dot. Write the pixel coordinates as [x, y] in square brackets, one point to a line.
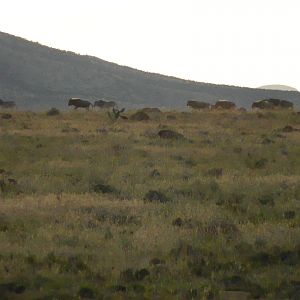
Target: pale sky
[237, 42]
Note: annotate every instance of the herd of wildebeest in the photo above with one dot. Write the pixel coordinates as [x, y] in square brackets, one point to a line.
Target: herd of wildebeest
[198, 105]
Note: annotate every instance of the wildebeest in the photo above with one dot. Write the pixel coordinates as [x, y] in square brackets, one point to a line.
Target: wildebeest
[7, 104]
[104, 104]
[78, 103]
[198, 104]
[262, 104]
[224, 104]
[272, 104]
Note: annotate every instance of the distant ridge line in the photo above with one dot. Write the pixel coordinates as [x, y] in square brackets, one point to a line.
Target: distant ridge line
[38, 77]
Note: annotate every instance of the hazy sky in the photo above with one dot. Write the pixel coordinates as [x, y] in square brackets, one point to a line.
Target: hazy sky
[238, 42]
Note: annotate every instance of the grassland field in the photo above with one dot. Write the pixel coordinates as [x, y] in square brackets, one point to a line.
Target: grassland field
[95, 209]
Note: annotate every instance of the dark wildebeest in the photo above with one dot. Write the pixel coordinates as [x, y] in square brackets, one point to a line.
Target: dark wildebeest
[262, 104]
[272, 104]
[198, 105]
[78, 103]
[104, 104]
[224, 104]
[7, 104]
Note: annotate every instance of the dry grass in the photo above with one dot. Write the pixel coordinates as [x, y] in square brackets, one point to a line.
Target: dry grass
[75, 224]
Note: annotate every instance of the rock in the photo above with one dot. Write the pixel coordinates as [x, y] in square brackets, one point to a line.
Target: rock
[170, 134]
[139, 116]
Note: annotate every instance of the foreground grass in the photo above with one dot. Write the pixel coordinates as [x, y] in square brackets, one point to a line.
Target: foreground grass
[106, 210]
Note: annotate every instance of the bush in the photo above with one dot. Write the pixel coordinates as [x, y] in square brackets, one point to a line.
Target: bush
[53, 112]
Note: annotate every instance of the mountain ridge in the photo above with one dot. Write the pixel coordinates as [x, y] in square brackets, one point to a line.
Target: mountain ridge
[38, 77]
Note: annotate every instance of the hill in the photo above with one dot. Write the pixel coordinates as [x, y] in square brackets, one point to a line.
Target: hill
[36, 77]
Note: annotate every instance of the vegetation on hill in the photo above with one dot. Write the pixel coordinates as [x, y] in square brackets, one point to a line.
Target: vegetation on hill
[39, 77]
[95, 209]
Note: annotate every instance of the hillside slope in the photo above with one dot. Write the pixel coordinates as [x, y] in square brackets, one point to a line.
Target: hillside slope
[37, 77]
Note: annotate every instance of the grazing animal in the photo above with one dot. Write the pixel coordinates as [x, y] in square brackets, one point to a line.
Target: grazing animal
[7, 104]
[198, 105]
[104, 104]
[78, 103]
[224, 104]
[272, 104]
[262, 104]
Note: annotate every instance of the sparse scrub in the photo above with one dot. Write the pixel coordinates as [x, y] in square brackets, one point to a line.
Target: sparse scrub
[111, 210]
